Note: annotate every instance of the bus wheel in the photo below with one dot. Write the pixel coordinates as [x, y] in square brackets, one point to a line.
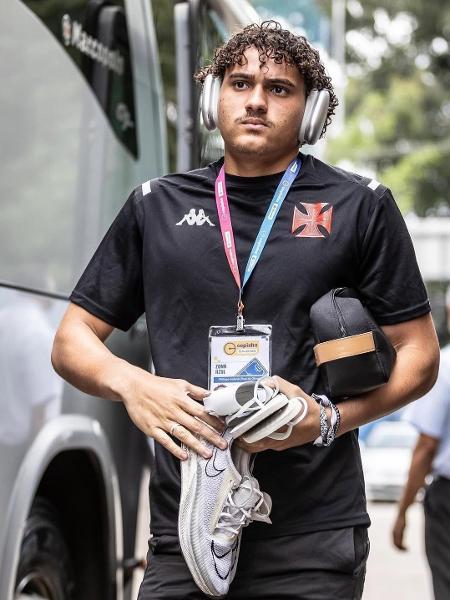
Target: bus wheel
[44, 570]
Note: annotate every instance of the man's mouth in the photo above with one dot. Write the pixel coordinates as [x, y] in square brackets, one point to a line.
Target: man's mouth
[254, 123]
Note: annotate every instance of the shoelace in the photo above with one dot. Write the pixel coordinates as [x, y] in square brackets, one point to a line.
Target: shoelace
[234, 516]
[254, 404]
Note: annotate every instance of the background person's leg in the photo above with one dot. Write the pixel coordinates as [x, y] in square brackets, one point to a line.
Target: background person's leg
[437, 536]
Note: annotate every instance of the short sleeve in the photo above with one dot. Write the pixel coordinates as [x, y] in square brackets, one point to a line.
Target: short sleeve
[389, 279]
[429, 414]
[111, 287]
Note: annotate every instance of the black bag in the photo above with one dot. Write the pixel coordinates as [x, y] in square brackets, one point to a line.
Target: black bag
[354, 356]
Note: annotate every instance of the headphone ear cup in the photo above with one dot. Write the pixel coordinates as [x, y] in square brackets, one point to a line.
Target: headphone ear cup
[314, 117]
[209, 102]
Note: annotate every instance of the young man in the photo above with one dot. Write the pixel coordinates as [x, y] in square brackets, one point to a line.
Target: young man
[154, 260]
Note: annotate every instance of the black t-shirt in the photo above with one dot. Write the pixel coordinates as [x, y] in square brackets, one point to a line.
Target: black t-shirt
[163, 255]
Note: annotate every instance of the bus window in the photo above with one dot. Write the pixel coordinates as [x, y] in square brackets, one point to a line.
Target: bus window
[69, 149]
[94, 34]
[113, 89]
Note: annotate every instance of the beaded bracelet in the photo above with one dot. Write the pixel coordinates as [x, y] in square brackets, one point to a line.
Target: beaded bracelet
[327, 432]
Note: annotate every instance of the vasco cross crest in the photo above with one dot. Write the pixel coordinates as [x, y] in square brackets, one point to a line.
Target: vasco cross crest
[313, 221]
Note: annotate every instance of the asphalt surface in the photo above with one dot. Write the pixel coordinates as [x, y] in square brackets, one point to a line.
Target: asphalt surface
[391, 574]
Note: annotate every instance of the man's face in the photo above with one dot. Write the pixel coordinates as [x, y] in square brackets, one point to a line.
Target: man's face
[261, 106]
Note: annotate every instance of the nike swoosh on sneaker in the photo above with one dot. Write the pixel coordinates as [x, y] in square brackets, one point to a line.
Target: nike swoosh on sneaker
[210, 468]
[215, 555]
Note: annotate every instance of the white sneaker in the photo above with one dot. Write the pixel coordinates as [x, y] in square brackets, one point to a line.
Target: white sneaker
[245, 405]
[219, 497]
[256, 410]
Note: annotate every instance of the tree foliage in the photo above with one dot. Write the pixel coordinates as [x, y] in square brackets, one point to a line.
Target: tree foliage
[398, 98]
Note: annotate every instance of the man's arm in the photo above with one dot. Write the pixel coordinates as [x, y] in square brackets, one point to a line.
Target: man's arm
[421, 462]
[414, 373]
[153, 403]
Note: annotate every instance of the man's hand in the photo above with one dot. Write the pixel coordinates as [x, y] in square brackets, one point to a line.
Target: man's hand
[158, 406]
[399, 530]
[306, 431]
[421, 464]
[165, 408]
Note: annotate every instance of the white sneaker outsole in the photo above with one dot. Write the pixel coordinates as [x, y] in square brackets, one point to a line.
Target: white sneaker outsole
[240, 425]
[292, 413]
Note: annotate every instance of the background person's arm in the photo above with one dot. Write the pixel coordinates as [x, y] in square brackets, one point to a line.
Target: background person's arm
[420, 467]
[153, 403]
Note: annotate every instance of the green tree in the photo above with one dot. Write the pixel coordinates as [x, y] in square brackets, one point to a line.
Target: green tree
[398, 98]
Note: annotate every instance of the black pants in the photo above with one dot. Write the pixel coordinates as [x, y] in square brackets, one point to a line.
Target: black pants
[326, 565]
[437, 536]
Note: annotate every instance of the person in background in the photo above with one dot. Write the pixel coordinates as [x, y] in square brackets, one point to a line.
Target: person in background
[431, 416]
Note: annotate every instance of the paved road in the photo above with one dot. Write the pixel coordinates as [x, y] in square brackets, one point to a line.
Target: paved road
[391, 575]
[394, 575]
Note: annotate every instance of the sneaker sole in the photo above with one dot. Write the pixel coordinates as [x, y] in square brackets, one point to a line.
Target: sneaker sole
[277, 403]
[274, 422]
[188, 494]
[186, 525]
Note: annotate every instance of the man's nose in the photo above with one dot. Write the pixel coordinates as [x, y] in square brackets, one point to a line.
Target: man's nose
[256, 99]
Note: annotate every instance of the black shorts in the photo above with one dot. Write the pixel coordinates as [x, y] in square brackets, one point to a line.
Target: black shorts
[325, 565]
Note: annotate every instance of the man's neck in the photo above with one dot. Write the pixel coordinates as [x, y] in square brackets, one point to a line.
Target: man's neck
[247, 165]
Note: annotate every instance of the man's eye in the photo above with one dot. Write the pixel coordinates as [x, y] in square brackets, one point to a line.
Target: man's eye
[240, 85]
[279, 91]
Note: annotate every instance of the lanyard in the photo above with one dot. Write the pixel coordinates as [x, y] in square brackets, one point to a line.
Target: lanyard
[226, 228]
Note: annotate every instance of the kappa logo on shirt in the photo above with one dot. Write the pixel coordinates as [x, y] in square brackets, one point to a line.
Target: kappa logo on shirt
[191, 218]
[313, 221]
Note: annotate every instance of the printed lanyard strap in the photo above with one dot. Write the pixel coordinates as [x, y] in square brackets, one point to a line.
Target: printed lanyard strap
[226, 228]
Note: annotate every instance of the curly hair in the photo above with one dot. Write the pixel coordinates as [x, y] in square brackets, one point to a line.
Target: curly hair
[280, 45]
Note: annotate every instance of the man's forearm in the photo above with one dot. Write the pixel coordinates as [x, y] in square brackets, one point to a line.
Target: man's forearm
[154, 404]
[83, 360]
[413, 375]
[421, 462]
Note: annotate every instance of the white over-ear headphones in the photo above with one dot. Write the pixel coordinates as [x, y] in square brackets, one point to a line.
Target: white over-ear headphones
[311, 126]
